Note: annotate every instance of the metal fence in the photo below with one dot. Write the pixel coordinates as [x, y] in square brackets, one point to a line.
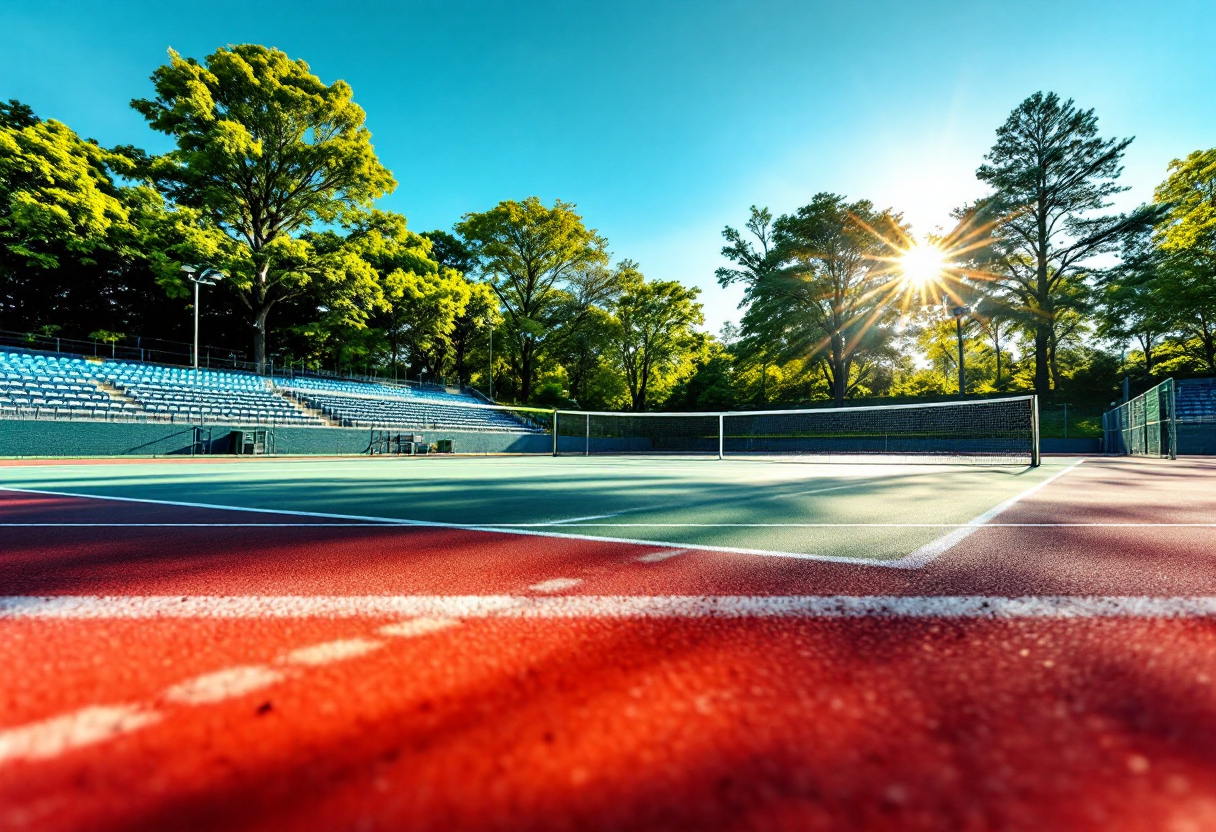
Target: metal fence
[1145, 425]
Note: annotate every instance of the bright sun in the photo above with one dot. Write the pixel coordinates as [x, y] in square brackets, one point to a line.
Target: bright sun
[922, 264]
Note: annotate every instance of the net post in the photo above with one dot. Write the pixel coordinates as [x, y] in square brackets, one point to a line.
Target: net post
[720, 435]
[555, 431]
[1035, 458]
[587, 447]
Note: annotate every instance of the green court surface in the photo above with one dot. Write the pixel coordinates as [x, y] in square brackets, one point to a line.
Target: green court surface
[863, 512]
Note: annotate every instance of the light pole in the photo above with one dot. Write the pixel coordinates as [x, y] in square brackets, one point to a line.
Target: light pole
[958, 313]
[206, 276]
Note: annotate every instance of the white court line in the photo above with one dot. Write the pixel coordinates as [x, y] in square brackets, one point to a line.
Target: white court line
[916, 560]
[223, 684]
[364, 525]
[415, 627]
[659, 557]
[556, 584]
[930, 552]
[52, 737]
[97, 723]
[331, 651]
[886, 525]
[396, 521]
[575, 519]
[444, 607]
[573, 524]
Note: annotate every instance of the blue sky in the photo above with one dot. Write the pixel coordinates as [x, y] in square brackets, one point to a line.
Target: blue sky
[662, 120]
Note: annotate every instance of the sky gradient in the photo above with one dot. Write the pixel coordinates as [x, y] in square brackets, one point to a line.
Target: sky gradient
[663, 121]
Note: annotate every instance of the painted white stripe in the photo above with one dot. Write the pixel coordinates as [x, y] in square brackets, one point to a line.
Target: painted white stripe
[364, 525]
[52, 737]
[932, 551]
[606, 606]
[913, 561]
[659, 557]
[396, 521]
[250, 606]
[223, 684]
[332, 651]
[574, 520]
[572, 524]
[416, 627]
[556, 584]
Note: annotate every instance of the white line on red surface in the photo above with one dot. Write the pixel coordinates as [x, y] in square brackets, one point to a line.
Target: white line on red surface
[932, 551]
[442, 607]
[52, 737]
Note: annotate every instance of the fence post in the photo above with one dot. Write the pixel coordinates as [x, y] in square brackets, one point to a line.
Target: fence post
[555, 431]
[1173, 420]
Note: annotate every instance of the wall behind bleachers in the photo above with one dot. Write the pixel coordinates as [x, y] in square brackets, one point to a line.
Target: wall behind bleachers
[34, 438]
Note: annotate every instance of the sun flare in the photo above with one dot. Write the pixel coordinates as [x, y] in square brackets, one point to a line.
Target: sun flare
[921, 265]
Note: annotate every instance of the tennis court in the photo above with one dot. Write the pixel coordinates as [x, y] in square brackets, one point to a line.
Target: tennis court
[617, 642]
[875, 513]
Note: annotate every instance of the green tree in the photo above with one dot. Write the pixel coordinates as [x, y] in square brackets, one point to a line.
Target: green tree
[61, 205]
[1190, 194]
[654, 332]
[547, 269]
[481, 315]
[587, 356]
[265, 152]
[1131, 305]
[1050, 172]
[1186, 236]
[821, 286]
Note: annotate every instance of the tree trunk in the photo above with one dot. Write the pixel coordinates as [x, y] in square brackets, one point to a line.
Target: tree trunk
[840, 371]
[525, 371]
[259, 339]
[1208, 336]
[1146, 344]
[1053, 363]
[1042, 370]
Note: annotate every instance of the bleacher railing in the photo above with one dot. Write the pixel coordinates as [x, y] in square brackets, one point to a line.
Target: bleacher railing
[1145, 425]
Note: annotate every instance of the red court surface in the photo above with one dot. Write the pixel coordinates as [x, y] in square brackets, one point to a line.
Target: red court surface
[1038, 675]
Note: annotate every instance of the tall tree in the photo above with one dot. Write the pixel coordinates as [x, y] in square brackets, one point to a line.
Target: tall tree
[1186, 236]
[654, 331]
[821, 286]
[265, 152]
[62, 204]
[1051, 172]
[473, 327]
[1131, 305]
[547, 269]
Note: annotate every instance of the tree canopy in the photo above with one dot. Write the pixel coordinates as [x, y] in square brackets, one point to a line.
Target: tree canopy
[265, 152]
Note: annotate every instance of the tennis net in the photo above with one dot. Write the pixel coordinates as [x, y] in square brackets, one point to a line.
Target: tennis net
[991, 431]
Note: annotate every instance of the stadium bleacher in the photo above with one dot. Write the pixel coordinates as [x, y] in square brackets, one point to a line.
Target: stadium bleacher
[203, 395]
[388, 391]
[57, 387]
[422, 413]
[1195, 401]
